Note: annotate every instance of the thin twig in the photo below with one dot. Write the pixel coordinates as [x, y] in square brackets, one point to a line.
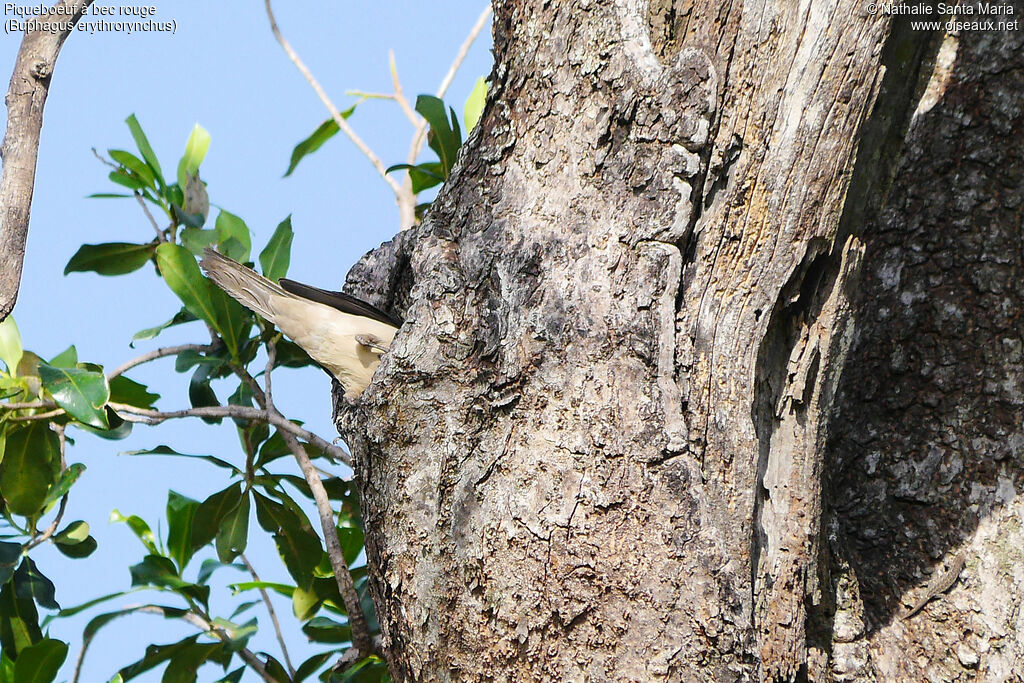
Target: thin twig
[241, 412]
[37, 416]
[27, 406]
[413, 117]
[370, 95]
[361, 640]
[335, 114]
[273, 615]
[421, 133]
[158, 353]
[152, 221]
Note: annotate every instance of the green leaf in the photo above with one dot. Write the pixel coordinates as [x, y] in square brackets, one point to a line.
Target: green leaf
[10, 554]
[233, 320]
[311, 665]
[231, 227]
[238, 634]
[78, 550]
[74, 533]
[67, 479]
[297, 543]
[195, 151]
[130, 392]
[40, 663]
[181, 511]
[6, 668]
[234, 532]
[201, 394]
[422, 176]
[276, 256]
[139, 528]
[324, 630]
[126, 180]
[144, 148]
[19, 622]
[182, 316]
[211, 565]
[351, 539]
[181, 272]
[30, 466]
[156, 655]
[82, 393]
[368, 669]
[185, 662]
[111, 258]
[167, 450]
[68, 358]
[135, 165]
[197, 239]
[156, 570]
[324, 132]
[291, 355]
[10, 345]
[212, 512]
[444, 137]
[279, 588]
[233, 677]
[30, 583]
[305, 603]
[475, 104]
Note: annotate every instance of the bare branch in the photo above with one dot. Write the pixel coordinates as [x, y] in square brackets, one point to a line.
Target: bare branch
[152, 221]
[26, 96]
[273, 615]
[37, 416]
[335, 114]
[158, 353]
[421, 133]
[361, 639]
[241, 412]
[399, 96]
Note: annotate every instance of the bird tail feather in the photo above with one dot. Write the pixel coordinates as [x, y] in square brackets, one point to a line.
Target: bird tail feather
[243, 284]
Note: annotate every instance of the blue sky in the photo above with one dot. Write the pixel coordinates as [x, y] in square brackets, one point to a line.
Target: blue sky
[222, 69]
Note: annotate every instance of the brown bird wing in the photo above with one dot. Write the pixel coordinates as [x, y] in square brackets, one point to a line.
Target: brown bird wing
[343, 302]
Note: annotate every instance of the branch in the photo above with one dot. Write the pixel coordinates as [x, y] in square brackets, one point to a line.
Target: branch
[338, 119]
[159, 353]
[152, 221]
[242, 412]
[421, 132]
[26, 96]
[273, 615]
[361, 640]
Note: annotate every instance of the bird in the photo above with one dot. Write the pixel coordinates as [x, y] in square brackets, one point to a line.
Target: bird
[344, 335]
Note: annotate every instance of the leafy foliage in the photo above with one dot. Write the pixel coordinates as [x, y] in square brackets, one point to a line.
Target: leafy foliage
[40, 401]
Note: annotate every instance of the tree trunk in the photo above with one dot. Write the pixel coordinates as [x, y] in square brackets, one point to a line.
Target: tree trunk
[597, 448]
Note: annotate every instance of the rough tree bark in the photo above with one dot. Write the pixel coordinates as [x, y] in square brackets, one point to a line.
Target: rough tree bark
[597, 449]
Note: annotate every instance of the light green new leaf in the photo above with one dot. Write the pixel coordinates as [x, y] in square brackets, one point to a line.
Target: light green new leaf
[74, 533]
[231, 227]
[196, 239]
[144, 147]
[276, 256]
[30, 466]
[40, 662]
[82, 393]
[195, 151]
[67, 479]
[475, 104]
[139, 528]
[112, 258]
[10, 345]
